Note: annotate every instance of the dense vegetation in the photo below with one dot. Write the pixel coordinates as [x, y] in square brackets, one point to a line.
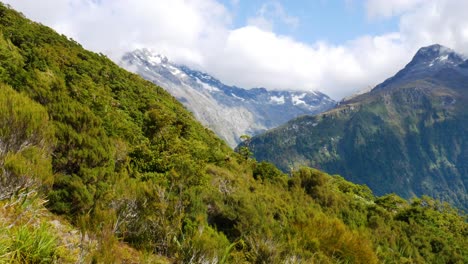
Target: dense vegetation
[410, 138]
[126, 164]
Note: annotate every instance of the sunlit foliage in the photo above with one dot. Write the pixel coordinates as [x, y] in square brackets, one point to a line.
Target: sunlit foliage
[123, 160]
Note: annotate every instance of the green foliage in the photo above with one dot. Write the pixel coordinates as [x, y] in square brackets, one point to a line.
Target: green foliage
[406, 139]
[27, 235]
[400, 231]
[32, 246]
[25, 142]
[243, 149]
[268, 172]
[131, 165]
[391, 202]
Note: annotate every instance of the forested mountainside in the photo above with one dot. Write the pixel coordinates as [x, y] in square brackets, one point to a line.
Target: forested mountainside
[228, 110]
[409, 135]
[101, 166]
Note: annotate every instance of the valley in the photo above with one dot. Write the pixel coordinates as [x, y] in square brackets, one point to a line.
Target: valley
[227, 110]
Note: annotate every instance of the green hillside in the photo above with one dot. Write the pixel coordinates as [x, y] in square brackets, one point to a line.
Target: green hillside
[100, 166]
[408, 136]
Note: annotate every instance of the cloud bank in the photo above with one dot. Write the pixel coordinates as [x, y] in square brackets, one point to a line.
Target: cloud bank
[199, 33]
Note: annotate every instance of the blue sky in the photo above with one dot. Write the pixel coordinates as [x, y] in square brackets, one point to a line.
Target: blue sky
[338, 47]
[333, 21]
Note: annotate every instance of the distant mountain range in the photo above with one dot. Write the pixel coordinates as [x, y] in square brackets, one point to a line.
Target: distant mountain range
[228, 110]
[408, 135]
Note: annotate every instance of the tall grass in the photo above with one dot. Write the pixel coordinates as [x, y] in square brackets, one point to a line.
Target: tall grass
[25, 235]
[25, 244]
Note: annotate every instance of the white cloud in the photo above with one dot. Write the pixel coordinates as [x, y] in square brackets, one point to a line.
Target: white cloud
[199, 33]
[270, 13]
[436, 21]
[278, 62]
[388, 8]
[115, 26]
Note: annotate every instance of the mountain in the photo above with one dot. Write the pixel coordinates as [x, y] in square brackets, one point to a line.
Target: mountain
[409, 135]
[228, 110]
[98, 165]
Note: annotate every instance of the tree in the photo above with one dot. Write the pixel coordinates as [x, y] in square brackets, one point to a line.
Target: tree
[243, 148]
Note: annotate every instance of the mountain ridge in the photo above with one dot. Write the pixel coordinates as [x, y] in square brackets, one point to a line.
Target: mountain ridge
[229, 111]
[407, 135]
[428, 59]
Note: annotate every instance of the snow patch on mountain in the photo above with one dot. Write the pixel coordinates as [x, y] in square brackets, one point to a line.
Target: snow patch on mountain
[297, 99]
[237, 97]
[443, 58]
[175, 71]
[154, 59]
[206, 86]
[428, 60]
[277, 99]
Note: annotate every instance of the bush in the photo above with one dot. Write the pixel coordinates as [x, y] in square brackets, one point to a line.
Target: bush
[25, 143]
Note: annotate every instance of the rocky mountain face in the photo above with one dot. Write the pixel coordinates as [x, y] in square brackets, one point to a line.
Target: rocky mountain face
[409, 135]
[228, 110]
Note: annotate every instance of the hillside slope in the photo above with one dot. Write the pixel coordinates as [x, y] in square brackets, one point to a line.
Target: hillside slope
[409, 135]
[142, 181]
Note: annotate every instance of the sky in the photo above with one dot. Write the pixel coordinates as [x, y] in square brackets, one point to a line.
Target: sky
[338, 47]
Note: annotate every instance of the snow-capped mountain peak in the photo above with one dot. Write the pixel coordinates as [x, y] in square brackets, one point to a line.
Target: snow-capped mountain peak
[436, 55]
[150, 57]
[428, 61]
[229, 111]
